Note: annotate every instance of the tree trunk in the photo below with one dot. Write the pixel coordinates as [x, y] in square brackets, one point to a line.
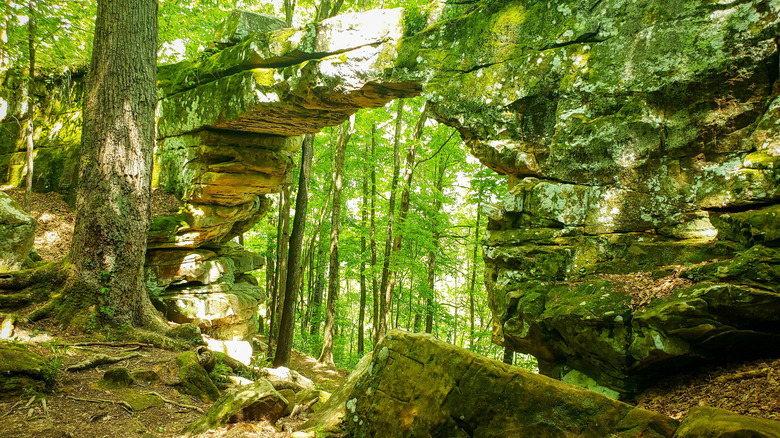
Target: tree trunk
[286, 323]
[345, 131]
[472, 286]
[113, 199]
[319, 287]
[509, 356]
[4, 36]
[363, 222]
[30, 105]
[436, 245]
[386, 287]
[374, 286]
[280, 277]
[289, 9]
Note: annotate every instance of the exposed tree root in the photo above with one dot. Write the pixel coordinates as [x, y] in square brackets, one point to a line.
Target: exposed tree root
[100, 359]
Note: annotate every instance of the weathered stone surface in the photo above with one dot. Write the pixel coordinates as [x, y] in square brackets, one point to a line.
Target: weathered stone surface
[239, 24]
[255, 402]
[211, 305]
[419, 386]
[707, 422]
[17, 234]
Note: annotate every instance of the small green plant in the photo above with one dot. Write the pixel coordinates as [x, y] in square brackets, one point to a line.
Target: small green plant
[221, 372]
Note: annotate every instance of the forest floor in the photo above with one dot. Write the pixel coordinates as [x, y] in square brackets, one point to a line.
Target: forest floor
[748, 388]
[80, 405]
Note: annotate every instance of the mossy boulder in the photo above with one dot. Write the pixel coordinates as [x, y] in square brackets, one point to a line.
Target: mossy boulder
[419, 386]
[195, 380]
[707, 422]
[118, 377]
[255, 402]
[21, 370]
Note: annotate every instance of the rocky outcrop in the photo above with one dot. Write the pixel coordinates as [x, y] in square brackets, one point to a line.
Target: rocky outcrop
[17, 234]
[211, 289]
[639, 144]
[419, 386]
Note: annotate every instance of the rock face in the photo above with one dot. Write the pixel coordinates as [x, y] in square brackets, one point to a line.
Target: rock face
[417, 386]
[707, 422]
[17, 234]
[640, 142]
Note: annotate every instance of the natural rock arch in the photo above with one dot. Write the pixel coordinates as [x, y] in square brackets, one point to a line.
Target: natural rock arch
[634, 134]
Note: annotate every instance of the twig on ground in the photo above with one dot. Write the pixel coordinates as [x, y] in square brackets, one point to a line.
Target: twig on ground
[12, 409]
[124, 404]
[181, 405]
[100, 359]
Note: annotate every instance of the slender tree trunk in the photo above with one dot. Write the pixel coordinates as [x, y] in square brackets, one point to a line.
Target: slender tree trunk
[509, 356]
[386, 286]
[473, 282]
[431, 297]
[4, 35]
[364, 223]
[345, 131]
[113, 199]
[374, 286]
[289, 9]
[286, 323]
[280, 278]
[31, 12]
[319, 288]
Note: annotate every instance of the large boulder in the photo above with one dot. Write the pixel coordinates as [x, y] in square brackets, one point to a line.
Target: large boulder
[707, 422]
[17, 234]
[419, 386]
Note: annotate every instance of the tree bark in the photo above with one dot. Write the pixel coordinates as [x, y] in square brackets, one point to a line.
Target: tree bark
[113, 199]
[472, 286]
[289, 9]
[374, 286]
[319, 288]
[30, 105]
[431, 297]
[286, 323]
[386, 287]
[345, 132]
[363, 222]
[280, 277]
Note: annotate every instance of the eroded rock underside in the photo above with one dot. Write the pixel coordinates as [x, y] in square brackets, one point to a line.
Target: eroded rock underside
[639, 233]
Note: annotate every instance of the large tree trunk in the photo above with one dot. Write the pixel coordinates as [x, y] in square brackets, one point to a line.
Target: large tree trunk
[30, 105]
[345, 131]
[286, 323]
[113, 200]
[385, 288]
